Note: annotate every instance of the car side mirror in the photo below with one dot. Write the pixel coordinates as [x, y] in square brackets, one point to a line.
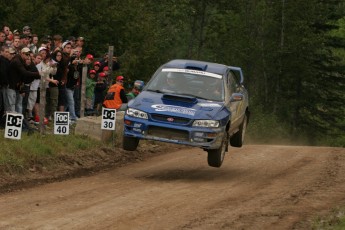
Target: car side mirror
[236, 97]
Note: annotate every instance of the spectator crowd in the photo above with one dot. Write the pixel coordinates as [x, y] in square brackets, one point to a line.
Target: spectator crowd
[33, 69]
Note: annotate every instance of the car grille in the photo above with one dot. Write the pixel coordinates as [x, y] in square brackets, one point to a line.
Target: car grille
[170, 119]
[174, 134]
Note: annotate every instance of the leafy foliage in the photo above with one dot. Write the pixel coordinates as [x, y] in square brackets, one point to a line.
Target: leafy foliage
[292, 52]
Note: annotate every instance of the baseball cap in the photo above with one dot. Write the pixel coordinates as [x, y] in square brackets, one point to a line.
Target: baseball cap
[102, 74]
[89, 56]
[25, 50]
[106, 68]
[119, 78]
[65, 43]
[42, 48]
[97, 63]
[26, 28]
[11, 50]
[92, 71]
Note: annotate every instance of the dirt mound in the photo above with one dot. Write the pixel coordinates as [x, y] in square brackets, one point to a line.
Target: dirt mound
[80, 164]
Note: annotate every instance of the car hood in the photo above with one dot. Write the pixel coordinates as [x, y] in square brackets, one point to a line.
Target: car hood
[177, 105]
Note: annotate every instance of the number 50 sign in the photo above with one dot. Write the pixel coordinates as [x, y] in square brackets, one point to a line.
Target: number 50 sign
[14, 122]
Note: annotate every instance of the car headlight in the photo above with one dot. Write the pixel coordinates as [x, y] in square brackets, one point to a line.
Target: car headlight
[136, 113]
[206, 123]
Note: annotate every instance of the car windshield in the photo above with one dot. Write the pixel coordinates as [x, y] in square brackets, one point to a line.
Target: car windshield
[188, 82]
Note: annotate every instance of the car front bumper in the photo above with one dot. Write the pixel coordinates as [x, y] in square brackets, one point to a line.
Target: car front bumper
[206, 138]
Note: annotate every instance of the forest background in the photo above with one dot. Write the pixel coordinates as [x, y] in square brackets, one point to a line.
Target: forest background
[291, 52]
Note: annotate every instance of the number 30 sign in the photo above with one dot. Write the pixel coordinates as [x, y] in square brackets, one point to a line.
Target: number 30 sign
[108, 119]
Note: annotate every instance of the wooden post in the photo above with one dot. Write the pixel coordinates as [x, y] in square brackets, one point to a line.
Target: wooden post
[42, 106]
[110, 78]
[110, 65]
[83, 89]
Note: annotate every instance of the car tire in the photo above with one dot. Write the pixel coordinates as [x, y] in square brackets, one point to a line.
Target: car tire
[237, 139]
[215, 157]
[130, 143]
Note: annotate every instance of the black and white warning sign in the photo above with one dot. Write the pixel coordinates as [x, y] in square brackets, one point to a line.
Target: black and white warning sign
[108, 119]
[61, 123]
[14, 123]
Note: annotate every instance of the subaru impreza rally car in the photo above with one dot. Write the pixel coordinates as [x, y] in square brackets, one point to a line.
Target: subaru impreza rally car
[193, 103]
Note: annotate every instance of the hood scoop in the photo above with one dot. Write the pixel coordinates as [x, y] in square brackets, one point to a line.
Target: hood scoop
[179, 98]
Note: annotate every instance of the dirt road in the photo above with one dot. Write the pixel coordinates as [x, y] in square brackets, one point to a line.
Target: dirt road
[258, 187]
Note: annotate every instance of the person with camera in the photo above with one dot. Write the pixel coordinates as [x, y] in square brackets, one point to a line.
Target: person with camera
[18, 76]
[73, 77]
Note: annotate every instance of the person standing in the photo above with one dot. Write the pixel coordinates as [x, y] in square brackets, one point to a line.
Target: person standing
[33, 45]
[24, 40]
[105, 62]
[4, 63]
[89, 91]
[77, 91]
[6, 29]
[27, 30]
[80, 43]
[59, 76]
[2, 38]
[73, 76]
[19, 75]
[34, 94]
[116, 97]
[100, 88]
[57, 43]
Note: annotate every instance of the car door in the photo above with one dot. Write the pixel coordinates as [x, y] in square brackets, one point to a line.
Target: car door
[237, 106]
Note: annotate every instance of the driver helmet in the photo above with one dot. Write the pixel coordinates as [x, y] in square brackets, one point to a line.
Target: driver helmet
[139, 85]
[172, 79]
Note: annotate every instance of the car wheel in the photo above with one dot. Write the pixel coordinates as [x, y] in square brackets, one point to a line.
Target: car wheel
[215, 157]
[130, 143]
[237, 139]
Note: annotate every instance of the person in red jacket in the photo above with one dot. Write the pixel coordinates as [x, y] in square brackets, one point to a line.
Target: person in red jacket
[116, 97]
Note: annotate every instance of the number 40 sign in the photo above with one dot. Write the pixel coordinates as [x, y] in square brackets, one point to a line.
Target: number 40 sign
[61, 123]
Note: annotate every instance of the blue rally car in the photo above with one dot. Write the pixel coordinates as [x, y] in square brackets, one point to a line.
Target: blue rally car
[193, 103]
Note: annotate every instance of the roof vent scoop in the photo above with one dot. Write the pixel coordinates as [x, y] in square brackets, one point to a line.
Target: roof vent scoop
[195, 66]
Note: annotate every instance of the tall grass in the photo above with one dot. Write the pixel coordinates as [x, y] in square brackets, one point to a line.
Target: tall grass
[17, 155]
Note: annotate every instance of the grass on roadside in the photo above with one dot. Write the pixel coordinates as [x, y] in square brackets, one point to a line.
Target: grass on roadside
[335, 221]
[18, 155]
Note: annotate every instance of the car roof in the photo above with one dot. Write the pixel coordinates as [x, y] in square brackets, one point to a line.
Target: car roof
[197, 65]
